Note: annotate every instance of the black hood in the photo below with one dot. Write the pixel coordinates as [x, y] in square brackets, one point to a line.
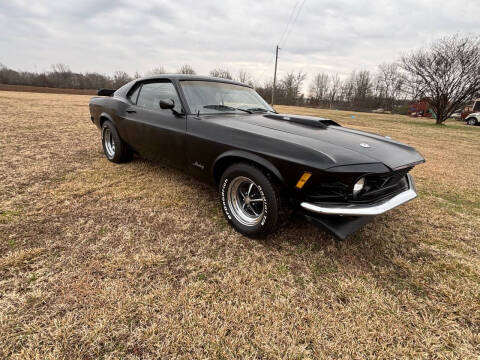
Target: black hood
[342, 145]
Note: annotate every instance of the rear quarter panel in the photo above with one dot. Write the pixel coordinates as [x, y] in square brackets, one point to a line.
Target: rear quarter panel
[112, 109]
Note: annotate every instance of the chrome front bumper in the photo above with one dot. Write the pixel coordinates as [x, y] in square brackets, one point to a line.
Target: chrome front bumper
[364, 209]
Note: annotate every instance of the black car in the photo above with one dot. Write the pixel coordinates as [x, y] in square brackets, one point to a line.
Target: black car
[265, 164]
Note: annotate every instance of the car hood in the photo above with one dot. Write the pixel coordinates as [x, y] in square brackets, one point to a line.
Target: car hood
[342, 145]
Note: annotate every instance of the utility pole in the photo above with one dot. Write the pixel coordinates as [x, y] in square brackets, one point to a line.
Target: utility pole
[275, 75]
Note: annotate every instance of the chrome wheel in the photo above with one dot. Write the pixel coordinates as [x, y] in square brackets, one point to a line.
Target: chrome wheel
[108, 142]
[246, 201]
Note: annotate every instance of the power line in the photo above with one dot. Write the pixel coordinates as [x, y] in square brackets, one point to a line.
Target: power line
[294, 21]
[290, 18]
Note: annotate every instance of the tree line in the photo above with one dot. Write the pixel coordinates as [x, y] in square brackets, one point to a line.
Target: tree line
[446, 74]
[361, 90]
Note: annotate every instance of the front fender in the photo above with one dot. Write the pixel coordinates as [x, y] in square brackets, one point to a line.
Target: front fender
[227, 156]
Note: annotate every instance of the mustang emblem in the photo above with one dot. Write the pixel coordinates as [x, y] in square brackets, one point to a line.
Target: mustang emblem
[365, 145]
[197, 164]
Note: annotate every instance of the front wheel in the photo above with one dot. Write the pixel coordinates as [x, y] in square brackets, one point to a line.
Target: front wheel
[249, 200]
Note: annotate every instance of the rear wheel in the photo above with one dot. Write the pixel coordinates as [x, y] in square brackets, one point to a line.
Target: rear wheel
[249, 200]
[114, 147]
[471, 121]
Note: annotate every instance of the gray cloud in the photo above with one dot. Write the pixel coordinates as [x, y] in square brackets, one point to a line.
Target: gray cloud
[332, 36]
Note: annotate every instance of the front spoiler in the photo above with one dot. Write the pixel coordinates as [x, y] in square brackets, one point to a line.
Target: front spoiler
[339, 226]
[364, 209]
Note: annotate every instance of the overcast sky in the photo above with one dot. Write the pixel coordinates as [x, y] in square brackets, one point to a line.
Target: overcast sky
[327, 36]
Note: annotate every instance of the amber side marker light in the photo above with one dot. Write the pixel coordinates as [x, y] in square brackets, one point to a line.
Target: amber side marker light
[303, 180]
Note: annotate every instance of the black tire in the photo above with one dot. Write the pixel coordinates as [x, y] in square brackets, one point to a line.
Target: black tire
[117, 153]
[263, 192]
[471, 121]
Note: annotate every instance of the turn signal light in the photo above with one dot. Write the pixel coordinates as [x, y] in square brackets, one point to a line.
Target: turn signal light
[303, 180]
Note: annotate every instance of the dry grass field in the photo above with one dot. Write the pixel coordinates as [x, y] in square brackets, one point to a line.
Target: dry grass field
[135, 261]
[41, 89]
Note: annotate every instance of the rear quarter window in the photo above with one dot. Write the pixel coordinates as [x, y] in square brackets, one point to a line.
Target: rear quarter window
[134, 95]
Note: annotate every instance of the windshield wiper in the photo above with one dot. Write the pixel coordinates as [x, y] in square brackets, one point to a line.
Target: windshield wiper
[225, 107]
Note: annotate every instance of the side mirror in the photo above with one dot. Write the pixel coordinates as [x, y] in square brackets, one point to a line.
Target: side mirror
[167, 104]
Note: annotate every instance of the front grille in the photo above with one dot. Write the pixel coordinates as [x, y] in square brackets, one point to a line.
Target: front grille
[377, 187]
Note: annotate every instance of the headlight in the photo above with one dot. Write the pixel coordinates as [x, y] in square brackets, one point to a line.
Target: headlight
[358, 186]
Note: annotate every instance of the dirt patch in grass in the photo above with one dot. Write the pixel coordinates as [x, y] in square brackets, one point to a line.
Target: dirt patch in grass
[136, 261]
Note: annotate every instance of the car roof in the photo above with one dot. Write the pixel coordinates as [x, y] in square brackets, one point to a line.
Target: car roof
[185, 77]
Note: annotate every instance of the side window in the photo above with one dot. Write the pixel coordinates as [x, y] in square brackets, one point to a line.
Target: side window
[133, 96]
[152, 93]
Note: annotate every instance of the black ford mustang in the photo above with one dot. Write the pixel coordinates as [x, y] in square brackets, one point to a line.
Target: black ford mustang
[264, 163]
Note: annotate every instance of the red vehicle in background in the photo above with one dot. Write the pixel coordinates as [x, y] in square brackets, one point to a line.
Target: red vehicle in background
[470, 114]
[420, 109]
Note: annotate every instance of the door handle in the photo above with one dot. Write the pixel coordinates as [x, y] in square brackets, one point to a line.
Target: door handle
[130, 111]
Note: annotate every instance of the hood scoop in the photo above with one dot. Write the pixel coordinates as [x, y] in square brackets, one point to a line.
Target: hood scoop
[304, 120]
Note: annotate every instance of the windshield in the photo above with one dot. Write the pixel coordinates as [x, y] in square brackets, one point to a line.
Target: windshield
[209, 97]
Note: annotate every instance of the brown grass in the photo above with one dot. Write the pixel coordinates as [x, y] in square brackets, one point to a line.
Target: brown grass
[43, 89]
[136, 261]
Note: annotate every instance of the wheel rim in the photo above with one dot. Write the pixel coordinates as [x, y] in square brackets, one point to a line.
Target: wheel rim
[246, 201]
[108, 143]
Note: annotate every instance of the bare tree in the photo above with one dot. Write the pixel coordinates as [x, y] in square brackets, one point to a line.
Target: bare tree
[290, 86]
[348, 88]
[61, 76]
[319, 87]
[186, 69]
[334, 89]
[221, 73]
[244, 77]
[120, 78]
[265, 90]
[363, 85]
[447, 73]
[389, 84]
[156, 71]
[61, 68]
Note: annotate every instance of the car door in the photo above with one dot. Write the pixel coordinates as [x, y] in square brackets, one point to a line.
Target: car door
[155, 133]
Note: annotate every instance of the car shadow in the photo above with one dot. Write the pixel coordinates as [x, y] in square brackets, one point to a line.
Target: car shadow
[373, 251]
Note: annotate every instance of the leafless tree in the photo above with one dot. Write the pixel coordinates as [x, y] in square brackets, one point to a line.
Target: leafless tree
[363, 85]
[61, 76]
[221, 73]
[156, 71]
[447, 73]
[120, 78]
[389, 84]
[186, 69]
[290, 86]
[61, 68]
[319, 87]
[244, 77]
[348, 88]
[334, 89]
